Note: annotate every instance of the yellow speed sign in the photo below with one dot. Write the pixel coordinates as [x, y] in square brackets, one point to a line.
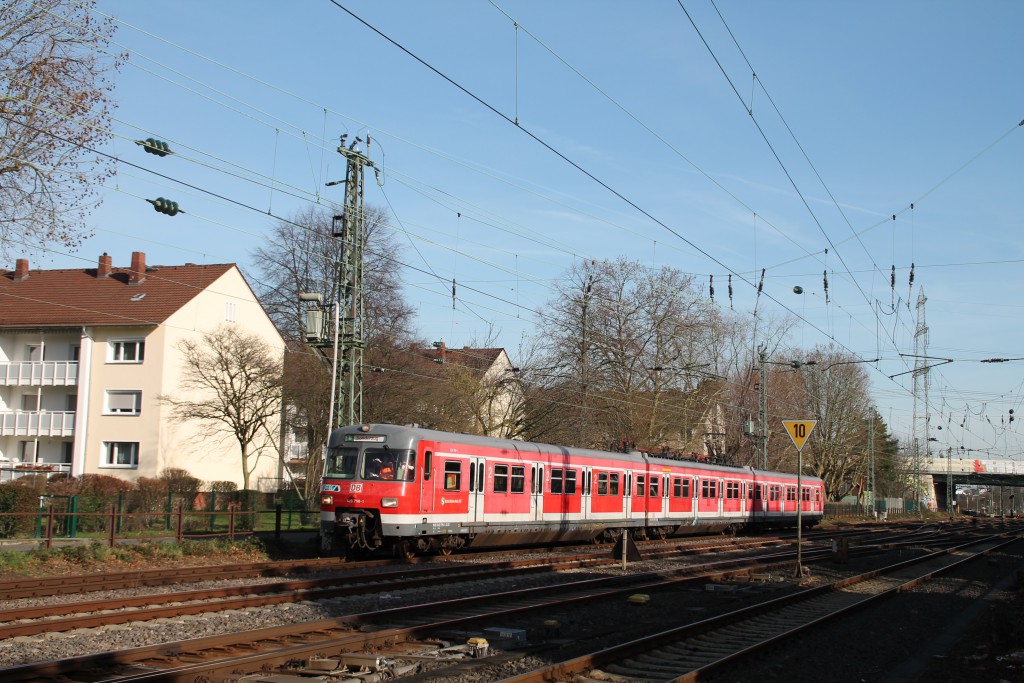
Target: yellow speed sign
[799, 430]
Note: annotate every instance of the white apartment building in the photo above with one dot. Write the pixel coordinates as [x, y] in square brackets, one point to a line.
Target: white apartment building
[85, 355]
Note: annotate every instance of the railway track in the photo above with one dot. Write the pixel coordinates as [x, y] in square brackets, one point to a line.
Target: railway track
[34, 620]
[699, 649]
[215, 658]
[223, 657]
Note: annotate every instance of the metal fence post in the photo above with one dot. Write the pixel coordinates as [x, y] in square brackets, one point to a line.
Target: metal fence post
[49, 527]
[113, 524]
[277, 520]
[181, 519]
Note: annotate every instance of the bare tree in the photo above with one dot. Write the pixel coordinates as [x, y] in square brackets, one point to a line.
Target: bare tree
[301, 255]
[307, 392]
[635, 343]
[55, 111]
[231, 386]
[837, 396]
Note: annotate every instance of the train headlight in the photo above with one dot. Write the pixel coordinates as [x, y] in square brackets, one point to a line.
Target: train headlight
[327, 500]
[389, 502]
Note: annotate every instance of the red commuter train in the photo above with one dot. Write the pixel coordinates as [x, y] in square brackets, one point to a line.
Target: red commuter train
[421, 490]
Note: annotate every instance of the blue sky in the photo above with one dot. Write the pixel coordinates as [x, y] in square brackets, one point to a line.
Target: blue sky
[883, 105]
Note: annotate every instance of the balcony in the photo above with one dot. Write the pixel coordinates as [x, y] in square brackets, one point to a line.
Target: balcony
[57, 373]
[11, 471]
[43, 423]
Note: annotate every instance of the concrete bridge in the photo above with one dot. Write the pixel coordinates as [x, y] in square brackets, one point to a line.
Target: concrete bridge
[988, 473]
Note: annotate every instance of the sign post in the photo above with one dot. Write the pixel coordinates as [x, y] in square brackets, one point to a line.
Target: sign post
[798, 431]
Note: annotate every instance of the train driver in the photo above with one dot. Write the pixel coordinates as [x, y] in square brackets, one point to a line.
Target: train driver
[382, 469]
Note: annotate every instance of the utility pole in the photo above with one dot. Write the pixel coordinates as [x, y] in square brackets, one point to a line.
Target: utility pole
[920, 376]
[871, 462]
[762, 407]
[350, 229]
[949, 480]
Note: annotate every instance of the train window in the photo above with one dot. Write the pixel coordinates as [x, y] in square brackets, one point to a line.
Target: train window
[732, 490]
[570, 482]
[757, 491]
[540, 478]
[677, 487]
[640, 486]
[790, 493]
[686, 489]
[773, 493]
[602, 483]
[806, 494]
[389, 465]
[518, 479]
[480, 477]
[426, 466]
[708, 488]
[452, 475]
[407, 467]
[472, 478]
[533, 479]
[664, 487]
[586, 485]
[750, 491]
[613, 483]
[501, 478]
[654, 487]
[556, 480]
[341, 463]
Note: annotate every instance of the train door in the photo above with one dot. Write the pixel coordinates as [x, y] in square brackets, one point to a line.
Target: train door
[537, 490]
[585, 506]
[757, 501]
[627, 494]
[477, 487]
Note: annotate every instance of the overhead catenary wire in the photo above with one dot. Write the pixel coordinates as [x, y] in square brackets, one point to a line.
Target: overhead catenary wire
[769, 275]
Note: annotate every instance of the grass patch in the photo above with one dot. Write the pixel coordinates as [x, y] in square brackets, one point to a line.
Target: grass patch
[84, 558]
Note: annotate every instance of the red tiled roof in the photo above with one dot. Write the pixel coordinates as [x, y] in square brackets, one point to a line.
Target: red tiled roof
[62, 298]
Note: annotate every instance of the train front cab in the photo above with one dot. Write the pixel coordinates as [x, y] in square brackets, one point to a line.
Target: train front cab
[366, 476]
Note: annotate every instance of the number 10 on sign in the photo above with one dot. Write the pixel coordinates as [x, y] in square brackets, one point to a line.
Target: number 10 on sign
[799, 430]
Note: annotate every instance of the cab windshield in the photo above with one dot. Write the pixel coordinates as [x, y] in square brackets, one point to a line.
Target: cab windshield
[389, 465]
[341, 462]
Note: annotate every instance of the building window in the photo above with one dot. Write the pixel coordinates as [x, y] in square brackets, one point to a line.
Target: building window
[127, 351]
[120, 454]
[123, 403]
[67, 452]
[27, 451]
[229, 311]
[30, 403]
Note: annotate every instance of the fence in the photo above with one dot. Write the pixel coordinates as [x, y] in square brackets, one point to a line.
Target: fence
[62, 517]
[884, 507]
